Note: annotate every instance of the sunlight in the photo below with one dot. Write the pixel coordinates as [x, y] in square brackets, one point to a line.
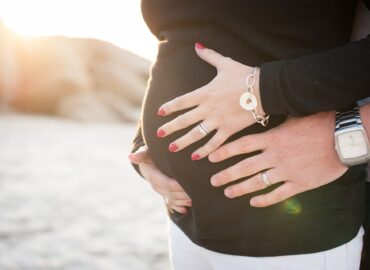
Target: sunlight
[117, 21]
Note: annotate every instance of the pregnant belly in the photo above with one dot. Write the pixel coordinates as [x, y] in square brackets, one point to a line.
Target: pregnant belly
[172, 77]
[213, 220]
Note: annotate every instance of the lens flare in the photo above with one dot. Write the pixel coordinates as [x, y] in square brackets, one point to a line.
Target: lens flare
[292, 206]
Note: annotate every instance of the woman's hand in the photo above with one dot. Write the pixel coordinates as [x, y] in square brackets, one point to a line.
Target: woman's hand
[173, 194]
[216, 105]
[300, 153]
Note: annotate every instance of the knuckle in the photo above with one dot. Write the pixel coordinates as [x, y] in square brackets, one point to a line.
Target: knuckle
[280, 194]
[238, 190]
[258, 183]
[243, 144]
[173, 185]
[211, 145]
[223, 176]
[156, 189]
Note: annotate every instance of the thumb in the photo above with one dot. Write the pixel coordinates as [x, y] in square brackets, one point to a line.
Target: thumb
[210, 56]
[139, 156]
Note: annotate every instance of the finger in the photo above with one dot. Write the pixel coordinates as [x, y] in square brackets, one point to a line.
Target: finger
[185, 101]
[253, 184]
[215, 142]
[210, 56]
[173, 186]
[178, 195]
[161, 182]
[181, 203]
[246, 144]
[279, 194]
[179, 209]
[139, 157]
[191, 137]
[180, 122]
[244, 168]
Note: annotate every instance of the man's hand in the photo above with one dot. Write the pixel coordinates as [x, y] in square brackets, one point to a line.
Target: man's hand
[300, 153]
[173, 194]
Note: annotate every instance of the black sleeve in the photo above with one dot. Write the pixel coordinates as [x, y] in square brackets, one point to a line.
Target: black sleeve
[367, 3]
[137, 142]
[324, 81]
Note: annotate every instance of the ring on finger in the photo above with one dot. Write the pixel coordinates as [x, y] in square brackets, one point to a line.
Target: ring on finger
[202, 129]
[265, 179]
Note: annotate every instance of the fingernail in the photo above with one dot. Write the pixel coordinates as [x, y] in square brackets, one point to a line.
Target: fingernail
[172, 147]
[130, 155]
[214, 182]
[199, 45]
[160, 133]
[212, 158]
[229, 193]
[161, 112]
[253, 202]
[195, 157]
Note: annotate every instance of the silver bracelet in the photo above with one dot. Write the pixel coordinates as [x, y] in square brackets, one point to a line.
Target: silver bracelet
[248, 101]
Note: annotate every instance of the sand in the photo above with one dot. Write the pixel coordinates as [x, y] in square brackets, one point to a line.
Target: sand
[71, 200]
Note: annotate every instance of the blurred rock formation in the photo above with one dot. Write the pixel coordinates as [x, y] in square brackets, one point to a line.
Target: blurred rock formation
[78, 78]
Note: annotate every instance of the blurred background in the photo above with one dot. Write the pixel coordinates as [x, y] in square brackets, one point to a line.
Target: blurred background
[72, 78]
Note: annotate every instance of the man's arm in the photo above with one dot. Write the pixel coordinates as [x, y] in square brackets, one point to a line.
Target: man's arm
[300, 154]
[321, 82]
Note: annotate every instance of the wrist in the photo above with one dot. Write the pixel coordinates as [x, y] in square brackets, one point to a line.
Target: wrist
[351, 135]
[365, 118]
[251, 99]
[257, 93]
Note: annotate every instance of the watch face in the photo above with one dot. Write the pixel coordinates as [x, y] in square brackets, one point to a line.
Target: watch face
[352, 144]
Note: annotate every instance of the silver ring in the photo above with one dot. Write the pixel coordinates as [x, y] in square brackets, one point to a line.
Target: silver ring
[265, 179]
[202, 129]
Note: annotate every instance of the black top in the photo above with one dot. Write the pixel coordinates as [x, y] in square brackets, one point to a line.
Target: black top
[292, 42]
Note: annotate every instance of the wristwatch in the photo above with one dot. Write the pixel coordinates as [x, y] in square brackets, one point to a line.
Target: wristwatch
[351, 140]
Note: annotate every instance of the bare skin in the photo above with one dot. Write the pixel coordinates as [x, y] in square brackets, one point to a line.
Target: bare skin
[212, 102]
[174, 195]
[299, 153]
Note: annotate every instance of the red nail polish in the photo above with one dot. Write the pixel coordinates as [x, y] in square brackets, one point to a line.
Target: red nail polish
[172, 147]
[160, 133]
[199, 45]
[161, 112]
[195, 157]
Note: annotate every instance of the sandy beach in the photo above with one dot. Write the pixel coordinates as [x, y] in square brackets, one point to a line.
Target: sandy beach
[70, 199]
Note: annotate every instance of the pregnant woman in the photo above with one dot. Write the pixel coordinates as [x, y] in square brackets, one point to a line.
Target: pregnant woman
[317, 229]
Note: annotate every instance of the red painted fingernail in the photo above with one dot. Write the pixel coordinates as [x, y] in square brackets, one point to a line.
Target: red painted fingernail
[195, 157]
[161, 112]
[161, 133]
[199, 45]
[172, 147]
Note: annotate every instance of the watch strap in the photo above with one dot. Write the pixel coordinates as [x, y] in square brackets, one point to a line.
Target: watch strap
[348, 118]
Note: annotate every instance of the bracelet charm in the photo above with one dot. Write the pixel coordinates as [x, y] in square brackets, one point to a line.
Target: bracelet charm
[248, 101]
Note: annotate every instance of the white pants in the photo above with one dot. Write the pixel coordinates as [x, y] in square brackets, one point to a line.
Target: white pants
[185, 255]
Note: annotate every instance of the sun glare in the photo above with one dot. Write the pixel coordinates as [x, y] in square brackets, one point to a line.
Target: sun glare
[117, 21]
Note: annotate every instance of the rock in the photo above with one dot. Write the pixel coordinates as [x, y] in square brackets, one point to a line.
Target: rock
[78, 78]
